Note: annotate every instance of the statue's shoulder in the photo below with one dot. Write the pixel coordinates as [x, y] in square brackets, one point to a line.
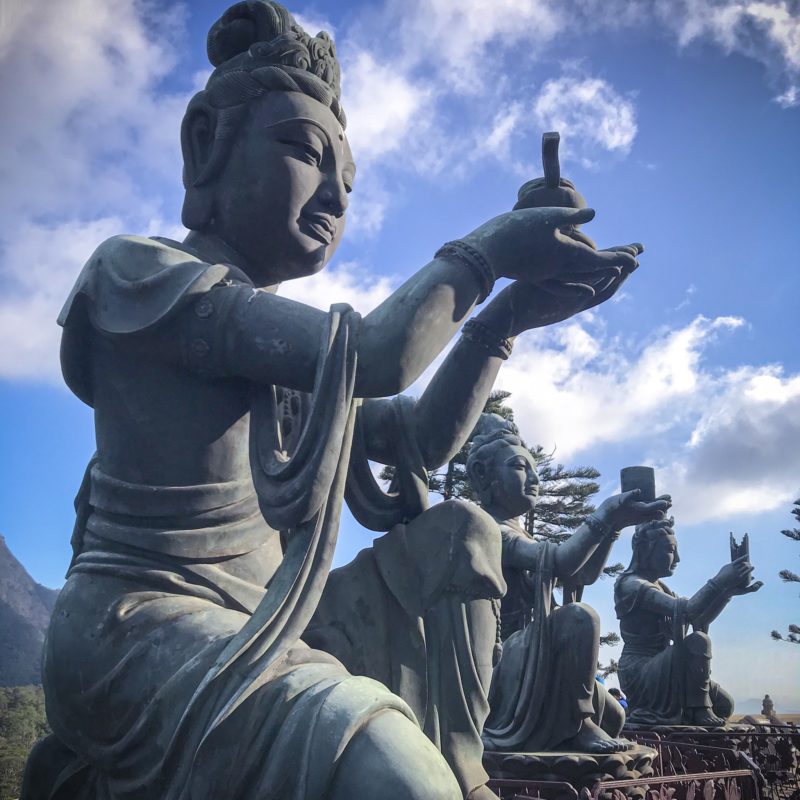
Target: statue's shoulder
[130, 283]
[628, 587]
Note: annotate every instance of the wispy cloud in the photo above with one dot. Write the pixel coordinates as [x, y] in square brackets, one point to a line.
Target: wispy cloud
[765, 30]
[591, 115]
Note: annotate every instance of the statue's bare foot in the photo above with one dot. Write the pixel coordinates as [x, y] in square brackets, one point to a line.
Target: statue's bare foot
[482, 793]
[593, 739]
[704, 717]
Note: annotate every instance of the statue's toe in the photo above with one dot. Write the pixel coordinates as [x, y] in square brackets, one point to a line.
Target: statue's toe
[482, 793]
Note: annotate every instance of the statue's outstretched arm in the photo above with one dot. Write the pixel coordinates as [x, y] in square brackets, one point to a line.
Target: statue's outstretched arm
[588, 548]
[234, 330]
[270, 339]
[733, 579]
[593, 568]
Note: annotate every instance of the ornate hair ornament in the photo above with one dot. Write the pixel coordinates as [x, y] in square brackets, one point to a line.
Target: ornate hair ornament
[257, 46]
[647, 533]
[493, 428]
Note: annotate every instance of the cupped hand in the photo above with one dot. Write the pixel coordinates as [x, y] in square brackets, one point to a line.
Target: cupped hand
[622, 510]
[537, 305]
[539, 244]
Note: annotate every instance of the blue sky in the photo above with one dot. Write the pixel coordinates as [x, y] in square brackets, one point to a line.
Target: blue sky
[680, 123]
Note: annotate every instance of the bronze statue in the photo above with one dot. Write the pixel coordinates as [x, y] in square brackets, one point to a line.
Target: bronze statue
[664, 670]
[543, 694]
[226, 416]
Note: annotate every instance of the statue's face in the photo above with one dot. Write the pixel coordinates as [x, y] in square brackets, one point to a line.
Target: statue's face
[281, 198]
[664, 556]
[514, 481]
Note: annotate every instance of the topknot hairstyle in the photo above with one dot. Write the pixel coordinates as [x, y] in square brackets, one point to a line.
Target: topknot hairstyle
[256, 47]
[493, 428]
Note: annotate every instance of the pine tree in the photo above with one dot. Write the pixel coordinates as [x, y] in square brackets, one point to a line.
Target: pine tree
[793, 634]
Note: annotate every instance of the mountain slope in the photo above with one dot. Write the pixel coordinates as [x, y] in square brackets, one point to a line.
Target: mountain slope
[25, 609]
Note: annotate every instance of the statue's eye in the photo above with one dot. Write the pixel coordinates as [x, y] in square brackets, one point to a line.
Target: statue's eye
[305, 151]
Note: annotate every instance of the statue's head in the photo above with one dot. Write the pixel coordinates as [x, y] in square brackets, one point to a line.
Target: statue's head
[267, 167]
[655, 550]
[501, 469]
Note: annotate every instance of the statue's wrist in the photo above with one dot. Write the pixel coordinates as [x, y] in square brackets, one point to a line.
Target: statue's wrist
[485, 336]
[466, 254]
[599, 527]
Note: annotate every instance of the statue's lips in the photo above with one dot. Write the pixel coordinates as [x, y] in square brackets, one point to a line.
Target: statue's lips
[320, 226]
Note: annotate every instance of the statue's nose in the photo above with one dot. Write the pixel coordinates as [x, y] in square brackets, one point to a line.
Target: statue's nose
[334, 197]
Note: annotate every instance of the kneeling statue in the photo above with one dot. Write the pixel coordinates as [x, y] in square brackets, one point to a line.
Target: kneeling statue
[544, 695]
[664, 672]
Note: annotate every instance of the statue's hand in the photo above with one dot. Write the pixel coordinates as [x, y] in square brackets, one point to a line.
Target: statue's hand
[531, 305]
[535, 245]
[736, 576]
[622, 510]
[753, 587]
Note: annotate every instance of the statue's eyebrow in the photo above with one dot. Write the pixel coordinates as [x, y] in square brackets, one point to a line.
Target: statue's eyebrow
[307, 120]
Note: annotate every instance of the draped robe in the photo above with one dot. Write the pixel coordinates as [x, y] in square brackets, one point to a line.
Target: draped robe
[173, 664]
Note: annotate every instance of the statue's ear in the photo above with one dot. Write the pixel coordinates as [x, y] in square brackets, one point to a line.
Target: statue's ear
[477, 474]
[197, 143]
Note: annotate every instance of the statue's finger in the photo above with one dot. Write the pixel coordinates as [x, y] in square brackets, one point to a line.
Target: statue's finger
[578, 236]
[560, 216]
[588, 259]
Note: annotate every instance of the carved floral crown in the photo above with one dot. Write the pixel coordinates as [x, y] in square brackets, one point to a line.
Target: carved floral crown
[257, 46]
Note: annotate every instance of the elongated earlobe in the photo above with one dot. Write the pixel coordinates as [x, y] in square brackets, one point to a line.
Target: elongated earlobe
[198, 207]
[197, 144]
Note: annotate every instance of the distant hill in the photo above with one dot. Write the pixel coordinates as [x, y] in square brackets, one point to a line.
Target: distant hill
[25, 609]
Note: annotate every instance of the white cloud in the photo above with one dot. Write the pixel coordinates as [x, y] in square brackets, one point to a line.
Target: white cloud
[381, 105]
[590, 115]
[497, 142]
[312, 23]
[82, 110]
[767, 31]
[346, 282]
[369, 204]
[40, 265]
[742, 456]
[88, 134]
[725, 441]
[462, 43]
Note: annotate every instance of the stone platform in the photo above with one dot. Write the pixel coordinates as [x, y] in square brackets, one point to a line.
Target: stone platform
[668, 731]
[581, 770]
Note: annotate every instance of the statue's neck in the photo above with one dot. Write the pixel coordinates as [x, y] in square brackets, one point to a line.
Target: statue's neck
[501, 516]
[215, 250]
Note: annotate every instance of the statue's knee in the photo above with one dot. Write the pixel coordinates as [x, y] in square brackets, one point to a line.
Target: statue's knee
[575, 619]
[722, 702]
[461, 516]
[613, 717]
[391, 752]
[698, 644]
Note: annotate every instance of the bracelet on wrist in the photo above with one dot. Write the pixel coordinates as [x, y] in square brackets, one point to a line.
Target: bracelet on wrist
[597, 526]
[474, 260]
[479, 332]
